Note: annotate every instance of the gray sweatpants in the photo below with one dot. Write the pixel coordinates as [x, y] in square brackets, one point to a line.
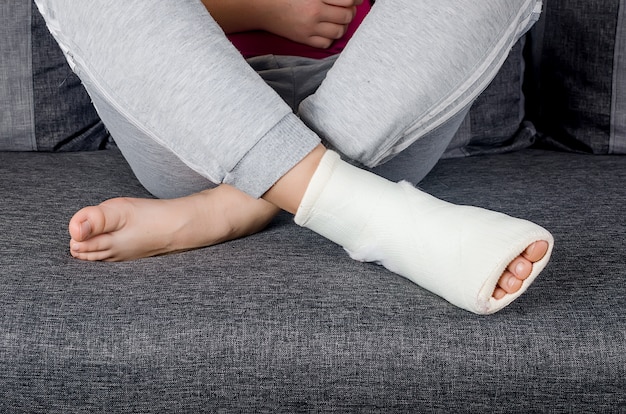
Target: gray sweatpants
[189, 112]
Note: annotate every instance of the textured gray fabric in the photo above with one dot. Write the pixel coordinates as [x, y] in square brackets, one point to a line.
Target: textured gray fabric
[285, 321]
[43, 106]
[65, 119]
[579, 53]
[17, 126]
[296, 78]
[495, 123]
[618, 116]
[396, 86]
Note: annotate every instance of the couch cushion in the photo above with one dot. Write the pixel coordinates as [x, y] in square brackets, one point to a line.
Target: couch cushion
[43, 106]
[285, 321]
[579, 60]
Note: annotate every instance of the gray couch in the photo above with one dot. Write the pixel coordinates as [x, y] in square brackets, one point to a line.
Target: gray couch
[285, 321]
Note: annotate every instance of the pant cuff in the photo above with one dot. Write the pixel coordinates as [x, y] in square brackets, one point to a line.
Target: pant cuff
[284, 146]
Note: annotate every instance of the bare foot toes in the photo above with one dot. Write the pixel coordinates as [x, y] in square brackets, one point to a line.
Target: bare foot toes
[130, 228]
[80, 226]
[520, 269]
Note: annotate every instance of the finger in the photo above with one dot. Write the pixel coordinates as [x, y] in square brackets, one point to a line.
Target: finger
[337, 15]
[330, 31]
[319, 42]
[343, 3]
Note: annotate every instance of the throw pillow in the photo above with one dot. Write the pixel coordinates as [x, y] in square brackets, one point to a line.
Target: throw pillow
[43, 106]
[579, 70]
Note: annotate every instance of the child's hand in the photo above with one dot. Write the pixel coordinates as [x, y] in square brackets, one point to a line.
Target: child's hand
[315, 23]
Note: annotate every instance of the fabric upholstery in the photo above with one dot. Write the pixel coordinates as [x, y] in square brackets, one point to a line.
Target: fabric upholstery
[43, 106]
[285, 321]
[579, 60]
[16, 107]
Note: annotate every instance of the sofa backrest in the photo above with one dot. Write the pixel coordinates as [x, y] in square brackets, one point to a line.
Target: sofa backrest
[563, 87]
[577, 76]
[43, 106]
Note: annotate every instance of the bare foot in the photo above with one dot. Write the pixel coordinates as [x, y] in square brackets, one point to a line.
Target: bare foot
[130, 228]
[519, 269]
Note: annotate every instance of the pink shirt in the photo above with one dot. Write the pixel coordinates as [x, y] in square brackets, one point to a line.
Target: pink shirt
[258, 43]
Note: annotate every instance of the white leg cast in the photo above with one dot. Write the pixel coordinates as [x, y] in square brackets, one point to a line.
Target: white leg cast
[456, 252]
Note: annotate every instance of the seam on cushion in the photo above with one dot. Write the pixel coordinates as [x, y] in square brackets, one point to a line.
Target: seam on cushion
[16, 102]
[617, 139]
[31, 95]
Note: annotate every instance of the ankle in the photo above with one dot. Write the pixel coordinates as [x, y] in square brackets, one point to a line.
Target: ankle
[288, 192]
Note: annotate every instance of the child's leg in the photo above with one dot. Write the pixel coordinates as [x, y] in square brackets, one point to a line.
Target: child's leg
[412, 67]
[416, 161]
[165, 79]
[186, 111]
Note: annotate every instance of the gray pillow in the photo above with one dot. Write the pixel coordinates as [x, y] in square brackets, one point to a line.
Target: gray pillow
[496, 121]
[579, 71]
[43, 106]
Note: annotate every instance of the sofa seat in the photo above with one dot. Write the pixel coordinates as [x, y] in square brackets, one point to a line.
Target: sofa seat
[285, 321]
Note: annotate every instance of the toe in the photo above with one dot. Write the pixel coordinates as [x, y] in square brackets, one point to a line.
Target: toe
[80, 227]
[520, 268]
[101, 243]
[499, 293]
[509, 283]
[85, 223]
[536, 251]
[92, 221]
[91, 256]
